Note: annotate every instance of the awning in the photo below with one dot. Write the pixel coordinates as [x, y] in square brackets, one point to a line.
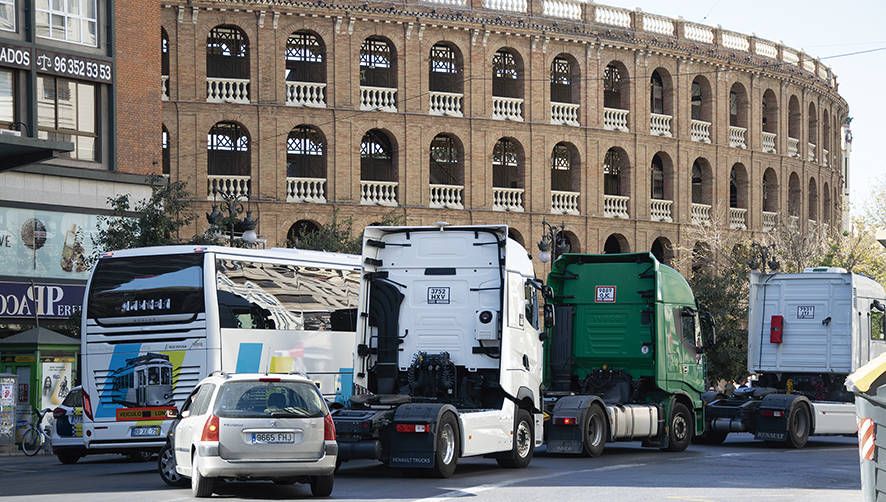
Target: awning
[18, 151]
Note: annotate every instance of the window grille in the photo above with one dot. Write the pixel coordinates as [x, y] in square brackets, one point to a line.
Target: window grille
[228, 150]
[656, 93]
[561, 165]
[505, 75]
[561, 81]
[445, 72]
[305, 58]
[612, 167]
[505, 164]
[376, 63]
[445, 161]
[612, 87]
[657, 178]
[696, 101]
[376, 157]
[227, 53]
[305, 151]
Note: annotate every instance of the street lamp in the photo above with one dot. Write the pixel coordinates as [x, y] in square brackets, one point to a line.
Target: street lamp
[553, 241]
[231, 205]
[763, 256]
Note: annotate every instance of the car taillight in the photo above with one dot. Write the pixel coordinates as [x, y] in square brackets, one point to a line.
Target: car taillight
[58, 413]
[328, 428]
[268, 379]
[565, 421]
[87, 406]
[210, 430]
[413, 428]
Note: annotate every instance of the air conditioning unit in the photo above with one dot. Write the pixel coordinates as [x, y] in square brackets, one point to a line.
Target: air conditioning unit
[10, 132]
[486, 325]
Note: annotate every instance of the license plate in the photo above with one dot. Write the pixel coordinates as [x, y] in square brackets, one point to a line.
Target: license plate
[144, 431]
[272, 437]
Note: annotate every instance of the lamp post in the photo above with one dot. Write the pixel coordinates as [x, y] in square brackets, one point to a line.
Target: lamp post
[231, 205]
[762, 257]
[553, 242]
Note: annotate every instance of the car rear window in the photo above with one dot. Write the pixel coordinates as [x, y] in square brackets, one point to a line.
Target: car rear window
[74, 399]
[256, 399]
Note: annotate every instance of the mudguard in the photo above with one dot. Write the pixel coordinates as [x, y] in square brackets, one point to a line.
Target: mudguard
[416, 449]
[569, 438]
[775, 428]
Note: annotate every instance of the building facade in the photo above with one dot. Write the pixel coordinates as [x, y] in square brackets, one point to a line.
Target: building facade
[625, 126]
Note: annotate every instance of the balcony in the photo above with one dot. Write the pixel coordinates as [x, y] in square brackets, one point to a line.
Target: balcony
[564, 202]
[566, 9]
[660, 210]
[824, 157]
[660, 125]
[615, 206]
[700, 131]
[505, 5]
[738, 137]
[378, 193]
[383, 99]
[227, 186]
[507, 199]
[164, 87]
[446, 103]
[507, 108]
[310, 94]
[447, 197]
[770, 221]
[615, 119]
[811, 152]
[227, 90]
[306, 190]
[700, 214]
[564, 114]
[738, 218]
[769, 140]
[793, 147]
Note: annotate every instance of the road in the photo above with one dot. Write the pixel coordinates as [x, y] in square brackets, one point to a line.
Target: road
[739, 470]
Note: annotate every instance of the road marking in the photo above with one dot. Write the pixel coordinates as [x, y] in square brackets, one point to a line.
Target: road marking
[689, 498]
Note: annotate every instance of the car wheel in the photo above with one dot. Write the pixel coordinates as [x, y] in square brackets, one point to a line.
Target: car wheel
[679, 428]
[524, 442]
[200, 486]
[68, 457]
[166, 466]
[594, 429]
[321, 486]
[798, 426]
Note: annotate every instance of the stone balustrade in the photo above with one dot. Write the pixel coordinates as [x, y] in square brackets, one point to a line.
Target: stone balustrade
[564, 114]
[793, 147]
[507, 199]
[769, 140]
[378, 193]
[615, 119]
[700, 131]
[378, 98]
[613, 16]
[770, 221]
[306, 190]
[738, 218]
[699, 33]
[735, 41]
[658, 24]
[447, 197]
[310, 94]
[457, 3]
[227, 90]
[660, 125]
[738, 137]
[219, 186]
[700, 214]
[660, 210]
[506, 5]
[164, 87]
[766, 49]
[566, 9]
[616, 206]
[810, 152]
[794, 222]
[507, 108]
[446, 103]
[564, 202]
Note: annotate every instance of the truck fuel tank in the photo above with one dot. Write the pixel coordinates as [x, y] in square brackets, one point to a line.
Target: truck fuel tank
[632, 421]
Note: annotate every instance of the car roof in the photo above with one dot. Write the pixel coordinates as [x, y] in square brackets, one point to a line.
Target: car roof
[239, 377]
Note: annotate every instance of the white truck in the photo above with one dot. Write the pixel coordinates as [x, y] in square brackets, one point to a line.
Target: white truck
[448, 358]
[806, 333]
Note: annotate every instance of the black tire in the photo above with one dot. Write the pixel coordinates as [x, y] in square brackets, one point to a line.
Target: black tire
[447, 440]
[594, 432]
[523, 443]
[680, 428]
[68, 457]
[799, 426]
[321, 486]
[32, 441]
[166, 467]
[200, 486]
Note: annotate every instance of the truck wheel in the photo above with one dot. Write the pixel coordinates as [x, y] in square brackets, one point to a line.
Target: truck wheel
[594, 428]
[524, 442]
[799, 425]
[679, 428]
[200, 486]
[446, 456]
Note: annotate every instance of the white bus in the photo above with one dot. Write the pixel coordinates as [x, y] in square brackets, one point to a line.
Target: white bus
[158, 320]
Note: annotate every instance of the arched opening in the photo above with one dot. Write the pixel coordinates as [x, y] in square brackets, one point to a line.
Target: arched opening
[661, 92]
[164, 53]
[813, 131]
[507, 74]
[770, 191]
[306, 153]
[616, 86]
[616, 243]
[565, 80]
[825, 137]
[794, 118]
[515, 234]
[662, 250]
[661, 177]
[227, 53]
[701, 99]
[299, 230]
[702, 186]
[738, 186]
[565, 168]
[568, 243]
[826, 204]
[445, 69]
[228, 160]
[738, 106]
[167, 159]
[769, 113]
[813, 200]
[795, 195]
[702, 257]
[305, 59]
[507, 164]
[616, 167]
[378, 63]
[377, 157]
[446, 160]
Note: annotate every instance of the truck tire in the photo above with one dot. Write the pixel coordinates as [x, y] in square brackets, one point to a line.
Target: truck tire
[799, 425]
[200, 486]
[446, 454]
[594, 428]
[523, 444]
[679, 428]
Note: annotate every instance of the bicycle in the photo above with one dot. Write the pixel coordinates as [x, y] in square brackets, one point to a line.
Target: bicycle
[34, 437]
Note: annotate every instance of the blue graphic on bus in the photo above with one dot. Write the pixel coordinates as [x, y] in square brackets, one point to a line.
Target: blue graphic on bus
[144, 381]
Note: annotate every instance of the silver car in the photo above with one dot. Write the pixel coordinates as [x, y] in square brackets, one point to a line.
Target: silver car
[256, 427]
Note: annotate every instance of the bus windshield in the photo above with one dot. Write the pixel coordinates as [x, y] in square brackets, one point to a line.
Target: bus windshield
[147, 285]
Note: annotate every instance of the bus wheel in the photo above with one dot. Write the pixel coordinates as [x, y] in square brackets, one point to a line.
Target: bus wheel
[446, 457]
[524, 442]
[594, 428]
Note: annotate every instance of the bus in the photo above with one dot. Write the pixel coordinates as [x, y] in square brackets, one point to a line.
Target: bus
[158, 320]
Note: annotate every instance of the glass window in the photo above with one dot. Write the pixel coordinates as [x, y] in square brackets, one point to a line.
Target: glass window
[66, 111]
[877, 326]
[531, 304]
[201, 400]
[251, 399]
[7, 15]
[7, 96]
[153, 375]
[73, 21]
[74, 399]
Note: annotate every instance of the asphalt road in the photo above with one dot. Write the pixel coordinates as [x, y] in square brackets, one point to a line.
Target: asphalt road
[739, 470]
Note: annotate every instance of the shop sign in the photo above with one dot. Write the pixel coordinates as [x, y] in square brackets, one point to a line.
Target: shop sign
[56, 63]
[58, 301]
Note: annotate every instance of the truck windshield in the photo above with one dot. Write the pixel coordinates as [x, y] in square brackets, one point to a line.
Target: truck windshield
[254, 399]
[146, 285]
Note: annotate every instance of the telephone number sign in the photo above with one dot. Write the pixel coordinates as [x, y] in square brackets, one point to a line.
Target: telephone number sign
[56, 63]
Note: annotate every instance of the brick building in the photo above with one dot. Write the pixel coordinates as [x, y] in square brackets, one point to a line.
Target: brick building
[626, 126]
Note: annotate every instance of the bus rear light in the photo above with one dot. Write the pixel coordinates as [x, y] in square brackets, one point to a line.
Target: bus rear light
[413, 428]
[210, 430]
[328, 428]
[772, 413]
[87, 406]
[565, 421]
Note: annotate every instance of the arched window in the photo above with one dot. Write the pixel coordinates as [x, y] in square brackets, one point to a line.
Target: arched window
[701, 182]
[616, 243]
[305, 58]
[738, 106]
[794, 117]
[826, 204]
[377, 157]
[564, 172]
[813, 128]
[656, 93]
[515, 234]
[564, 89]
[616, 86]
[795, 194]
[305, 153]
[227, 53]
[813, 200]
[615, 166]
[825, 135]
[507, 74]
[507, 163]
[445, 69]
[228, 150]
[738, 187]
[770, 191]
[657, 181]
[378, 63]
[167, 160]
[164, 52]
[446, 161]
[700, 99]
[663, 250]
[299, 230]
[769, 113]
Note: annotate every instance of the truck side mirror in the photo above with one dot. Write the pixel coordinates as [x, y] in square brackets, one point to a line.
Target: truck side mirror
[547, 293]
[549, 321]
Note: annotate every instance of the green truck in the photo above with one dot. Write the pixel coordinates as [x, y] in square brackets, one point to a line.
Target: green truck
[624, 354]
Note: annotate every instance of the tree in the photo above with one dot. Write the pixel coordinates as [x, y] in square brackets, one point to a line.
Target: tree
[337, 235]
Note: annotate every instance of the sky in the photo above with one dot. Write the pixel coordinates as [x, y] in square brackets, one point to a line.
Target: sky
[820, 28]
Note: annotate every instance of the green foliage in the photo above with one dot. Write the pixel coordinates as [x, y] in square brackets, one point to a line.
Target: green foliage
[338, 235]
[858, 252]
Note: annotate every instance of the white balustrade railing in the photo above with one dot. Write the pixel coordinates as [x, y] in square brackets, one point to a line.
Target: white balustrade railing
[615, 119]
[612, 16]
[794, 222]
[809, 65]
[227, 90]
[446, 2]
[660, 125]
[566, 9]
[811, 152]
[700, 214]
[564, 114]
[699, 130]
[699, 33]
[737, 137]
[790, 57]
[766, 49]
[378, 98]
[306, 190]
[735, 41]
[446, 103]
[770, 221]
[658, 24]
[507, 199]
[507, 108]
[660, 210]
[738, 218]
[506, 5]
[769, 141]
[811, 226]
[219, 186]
[824, 157]
[447, 197]
[564, 202]
[793, 147]
[616, 206]
[310, 94]
[164, 87]
[381, 193]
